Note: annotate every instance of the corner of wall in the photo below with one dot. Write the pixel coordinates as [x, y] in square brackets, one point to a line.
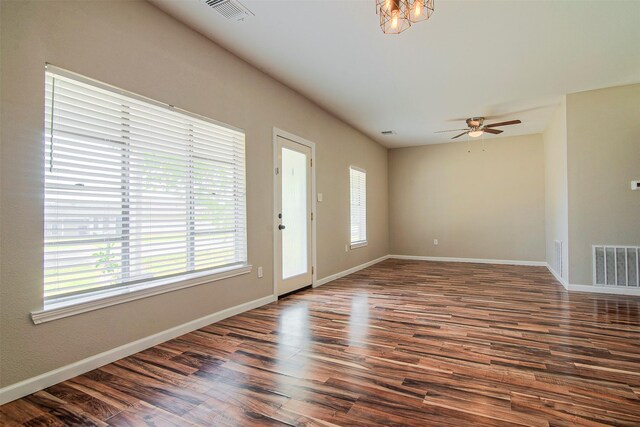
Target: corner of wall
[556, 191]
[602, 159]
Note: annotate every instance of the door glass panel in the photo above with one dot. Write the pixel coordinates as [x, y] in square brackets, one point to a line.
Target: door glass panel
[294, 213]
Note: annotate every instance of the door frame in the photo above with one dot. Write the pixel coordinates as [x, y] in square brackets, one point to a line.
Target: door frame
[275, 221]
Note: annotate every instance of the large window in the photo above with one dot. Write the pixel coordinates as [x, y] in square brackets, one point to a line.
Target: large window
[137, 194]
[358, 179]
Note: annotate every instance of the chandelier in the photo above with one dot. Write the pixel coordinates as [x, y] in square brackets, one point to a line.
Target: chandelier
[398, 15]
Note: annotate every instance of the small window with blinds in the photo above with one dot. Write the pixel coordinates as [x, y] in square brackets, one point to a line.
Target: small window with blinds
[137, 193]
[358, 182]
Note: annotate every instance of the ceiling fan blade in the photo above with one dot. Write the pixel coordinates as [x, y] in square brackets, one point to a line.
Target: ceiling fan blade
[493, 131]
[510, 122]
[450, 130]
[458, 136]
[501, 111]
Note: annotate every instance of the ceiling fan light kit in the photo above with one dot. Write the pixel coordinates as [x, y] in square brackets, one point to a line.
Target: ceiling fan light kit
[398, 15]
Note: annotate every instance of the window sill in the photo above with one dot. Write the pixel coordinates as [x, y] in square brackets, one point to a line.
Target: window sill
[359, 245]
[71, 308]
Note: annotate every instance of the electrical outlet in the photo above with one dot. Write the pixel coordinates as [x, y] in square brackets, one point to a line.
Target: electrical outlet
[259, 272]
[435, 242]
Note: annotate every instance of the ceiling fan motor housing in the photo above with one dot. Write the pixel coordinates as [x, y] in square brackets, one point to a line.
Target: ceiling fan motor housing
[475, 122]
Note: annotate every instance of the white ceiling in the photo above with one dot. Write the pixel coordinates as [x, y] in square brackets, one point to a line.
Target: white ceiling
[512, 59]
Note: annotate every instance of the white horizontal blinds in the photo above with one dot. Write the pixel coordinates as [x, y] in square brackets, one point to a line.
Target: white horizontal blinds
[358, 205]
[135, 191]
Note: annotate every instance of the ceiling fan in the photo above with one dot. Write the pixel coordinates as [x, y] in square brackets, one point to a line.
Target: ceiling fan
[477, 127]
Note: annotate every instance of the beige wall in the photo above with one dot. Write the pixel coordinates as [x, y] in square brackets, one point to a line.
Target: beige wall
[483, 204]
[603, 135]
[137, 47]
[556, 189]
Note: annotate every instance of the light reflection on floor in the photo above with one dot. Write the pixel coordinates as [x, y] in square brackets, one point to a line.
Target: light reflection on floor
[293, 333]
[359, 320]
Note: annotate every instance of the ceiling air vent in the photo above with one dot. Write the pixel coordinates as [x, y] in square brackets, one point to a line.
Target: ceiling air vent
[230, 9]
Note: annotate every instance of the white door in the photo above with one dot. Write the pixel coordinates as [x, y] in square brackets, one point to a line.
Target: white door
[293, 201]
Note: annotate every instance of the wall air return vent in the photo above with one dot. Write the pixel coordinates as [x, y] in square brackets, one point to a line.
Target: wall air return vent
[616, 266]
[230, 9]
[558, 257]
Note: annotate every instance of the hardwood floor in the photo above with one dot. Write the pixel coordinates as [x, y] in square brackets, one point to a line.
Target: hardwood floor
[400, 343]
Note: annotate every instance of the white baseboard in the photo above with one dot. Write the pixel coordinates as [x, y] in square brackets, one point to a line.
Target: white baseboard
[333, 277]
[558, 277]
[614, 290]
[31, 385]
[473, 260]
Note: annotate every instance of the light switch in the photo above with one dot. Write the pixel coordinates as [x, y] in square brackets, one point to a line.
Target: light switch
[319, 197]
[635, 185]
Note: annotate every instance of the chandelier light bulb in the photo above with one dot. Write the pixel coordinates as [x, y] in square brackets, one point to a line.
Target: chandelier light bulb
[397, 15]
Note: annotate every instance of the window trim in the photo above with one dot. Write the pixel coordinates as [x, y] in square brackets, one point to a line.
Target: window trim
[144, 290]
[359, 243]
[356, 245]
[112, 296]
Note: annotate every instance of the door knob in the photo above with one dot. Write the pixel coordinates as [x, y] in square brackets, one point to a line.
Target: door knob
[281, 227]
